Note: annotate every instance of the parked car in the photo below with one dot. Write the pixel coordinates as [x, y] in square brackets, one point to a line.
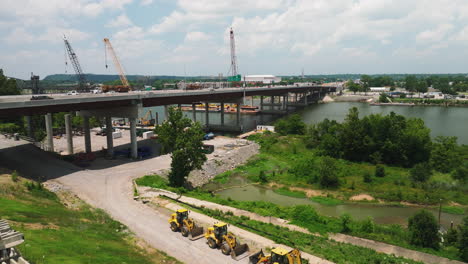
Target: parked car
[96, 91]
[73, 93]
[208, 136]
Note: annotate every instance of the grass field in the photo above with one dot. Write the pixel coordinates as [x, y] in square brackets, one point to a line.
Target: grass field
[55, 234]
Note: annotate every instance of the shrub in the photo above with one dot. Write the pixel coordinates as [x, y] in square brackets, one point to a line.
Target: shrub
[421, 172]
[379, 171]
[328, 173]
[463, 242]
[423, 230]
[345, 223]
[262, 176]
[14, 176]
[367, 177]
[368, 225]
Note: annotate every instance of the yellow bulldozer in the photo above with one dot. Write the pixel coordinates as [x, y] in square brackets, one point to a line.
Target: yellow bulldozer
[277, 256]
[180, 221]
[218, 237]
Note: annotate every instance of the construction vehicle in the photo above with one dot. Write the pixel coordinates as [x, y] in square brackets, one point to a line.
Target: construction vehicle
[218, 237]
[144, 121]
[180, 221]
[125, 87]
[277, 256]
[9, 239]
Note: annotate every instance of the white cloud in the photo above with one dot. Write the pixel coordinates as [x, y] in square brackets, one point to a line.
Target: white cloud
[119, 22]
[19, 36]
[197, 36]
[434, 35]
[146, 2]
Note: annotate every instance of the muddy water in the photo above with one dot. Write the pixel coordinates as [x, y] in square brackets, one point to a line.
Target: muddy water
[382, 214]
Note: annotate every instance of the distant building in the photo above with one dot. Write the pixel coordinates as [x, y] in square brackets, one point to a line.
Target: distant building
[379, 89]
[266, 79]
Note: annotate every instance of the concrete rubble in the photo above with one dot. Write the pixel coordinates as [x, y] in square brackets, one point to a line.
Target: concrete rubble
[9, 239]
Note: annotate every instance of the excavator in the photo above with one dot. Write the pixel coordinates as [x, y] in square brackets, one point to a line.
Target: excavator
[180, 221]
[218, 237]
[277, 256]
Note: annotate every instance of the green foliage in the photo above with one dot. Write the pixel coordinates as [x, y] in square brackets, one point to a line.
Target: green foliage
[185, 139]
[328, 173]
[14, 176]
[379, 171]
[463, 241]
[421, 172]
[383, 98]
[153, 181]
[346, 223]
[368, 225]
[292, 125]
[411, 83]
[8, 86]
[10, 128]
[453, 210]
[367, 177]
[262, 176]
[353, 87]
[451, 237]
[423, 229]
[390, 139]
[461, 173]
[444, 157]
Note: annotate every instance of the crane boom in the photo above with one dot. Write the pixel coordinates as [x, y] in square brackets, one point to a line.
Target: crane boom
[117, 64]
[82, 87]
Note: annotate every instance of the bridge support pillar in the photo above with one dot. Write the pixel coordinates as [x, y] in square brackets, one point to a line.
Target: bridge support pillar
[285, 102]
[238, 113]
[272, 101]
[110, 142]
[29, 127]
[305, 99]
[166, 112]
[207, 114]
[261, 102]
[68, 131]
[133, 138]
[50, 132]
[87, 134]
[194, 113]
[222, 113]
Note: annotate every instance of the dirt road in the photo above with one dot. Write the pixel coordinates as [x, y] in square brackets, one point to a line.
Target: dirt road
[108, 185]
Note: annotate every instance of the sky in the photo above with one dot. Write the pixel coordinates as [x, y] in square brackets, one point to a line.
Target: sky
[191, 37]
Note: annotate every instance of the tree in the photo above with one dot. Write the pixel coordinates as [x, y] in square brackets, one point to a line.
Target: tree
[368, 225]
[411, 83]
[8, 86]
[345, 223]
[366, 81]
[185, 139]
[379, 171]
[463, 242]
[423, 230]
[328, 173]
[353, 87]
[421, 87]
[421, 172]
[444, 157]
[292, 125]
[461, 173]
[169, 131]
[383, 98]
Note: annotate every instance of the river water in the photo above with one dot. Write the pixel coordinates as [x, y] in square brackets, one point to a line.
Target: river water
[452, 121]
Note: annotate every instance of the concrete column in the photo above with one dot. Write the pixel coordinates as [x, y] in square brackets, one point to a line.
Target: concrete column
[87, 134]
[50, 132]
[295, 99]
[261, 102]
[272, 101]
[29, 127]
[68, 131]
[166, 112]
[238, 113]
[207, 112]
[222, 113]
[110, 142]
[305, 99]
[284, 103]
[194, 112]
[179, 106]
[133, 138]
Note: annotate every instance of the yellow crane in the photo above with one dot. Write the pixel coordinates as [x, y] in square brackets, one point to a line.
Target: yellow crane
[125, 87]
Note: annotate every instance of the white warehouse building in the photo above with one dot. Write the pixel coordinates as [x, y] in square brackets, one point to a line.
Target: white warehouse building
[267, 79]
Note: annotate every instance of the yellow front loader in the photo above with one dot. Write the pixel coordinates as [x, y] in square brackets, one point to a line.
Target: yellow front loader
[277, 256]
[180, 221]
[218, 237]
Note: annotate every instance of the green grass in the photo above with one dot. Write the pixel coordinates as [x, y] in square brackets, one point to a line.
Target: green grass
[453, 210]
[56, 234]
[288, 192]
[326, 200]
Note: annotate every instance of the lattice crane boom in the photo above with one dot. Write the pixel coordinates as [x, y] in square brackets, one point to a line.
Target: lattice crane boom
[118, 66]
[82, 86]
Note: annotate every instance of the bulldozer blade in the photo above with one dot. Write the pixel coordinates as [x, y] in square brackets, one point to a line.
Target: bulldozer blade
[197, 233]
[240, 252]
[253, 259]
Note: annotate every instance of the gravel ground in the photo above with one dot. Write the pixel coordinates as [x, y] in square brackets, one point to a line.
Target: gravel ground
[107, 184]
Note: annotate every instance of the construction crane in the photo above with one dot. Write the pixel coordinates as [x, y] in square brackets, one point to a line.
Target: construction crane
[125, 87]
[82, 86]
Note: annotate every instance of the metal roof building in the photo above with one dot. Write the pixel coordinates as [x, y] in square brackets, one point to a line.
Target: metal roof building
[267, 79]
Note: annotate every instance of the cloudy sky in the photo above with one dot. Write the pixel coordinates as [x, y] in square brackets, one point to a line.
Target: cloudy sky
[173, 37]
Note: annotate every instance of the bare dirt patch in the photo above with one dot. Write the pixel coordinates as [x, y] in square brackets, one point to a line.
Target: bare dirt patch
[362, 197]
